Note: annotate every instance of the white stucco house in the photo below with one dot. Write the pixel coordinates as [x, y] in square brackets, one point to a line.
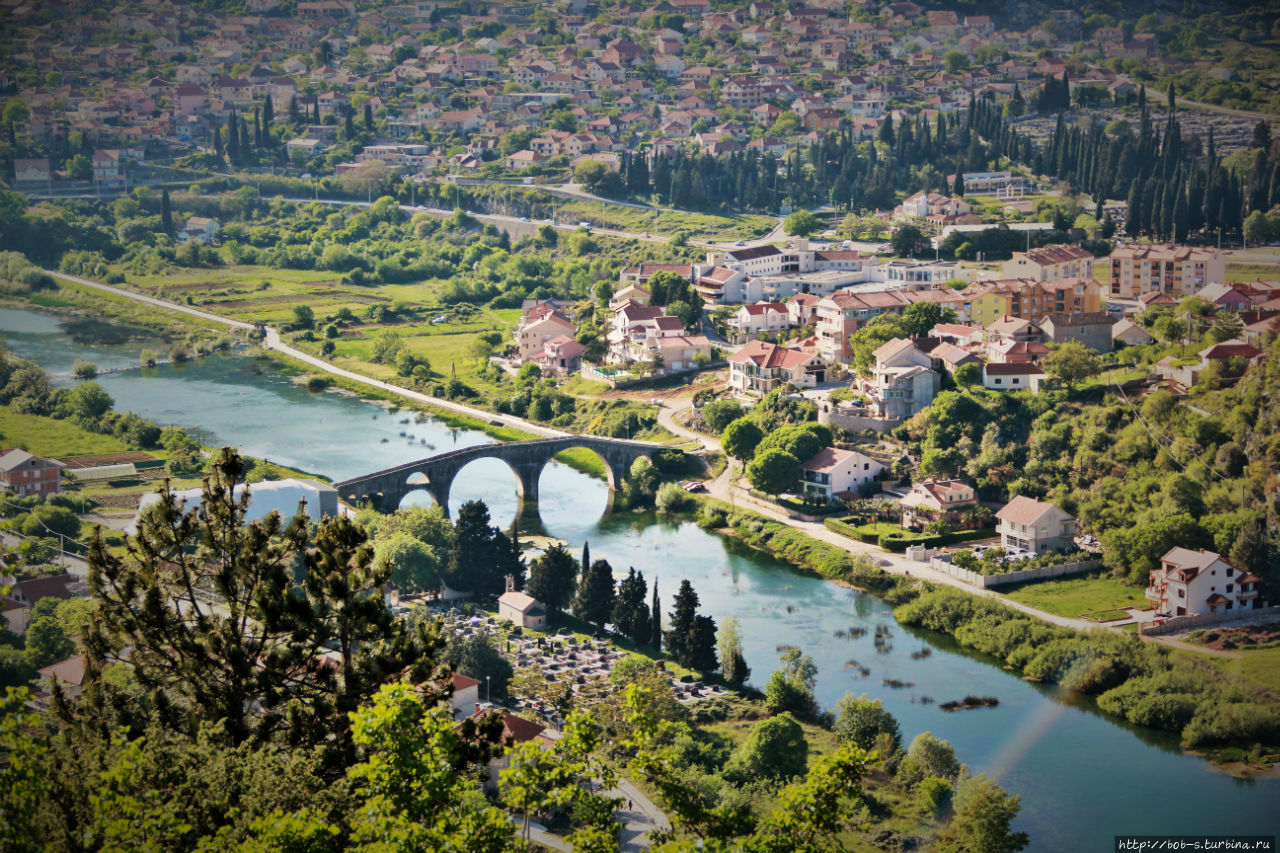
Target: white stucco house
[1194, 583]
[834, 474]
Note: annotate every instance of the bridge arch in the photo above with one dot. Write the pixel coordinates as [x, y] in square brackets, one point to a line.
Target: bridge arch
[525, 458]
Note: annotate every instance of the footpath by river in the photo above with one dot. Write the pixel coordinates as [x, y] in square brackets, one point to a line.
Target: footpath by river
[1054, 749]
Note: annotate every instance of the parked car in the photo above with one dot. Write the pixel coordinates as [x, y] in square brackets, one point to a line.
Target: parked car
[694, 486]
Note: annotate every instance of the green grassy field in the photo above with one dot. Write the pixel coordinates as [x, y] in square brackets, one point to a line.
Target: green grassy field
[49, 437]
[1257, 666]
[1250, 272]
[1096, 591]
[699, 226]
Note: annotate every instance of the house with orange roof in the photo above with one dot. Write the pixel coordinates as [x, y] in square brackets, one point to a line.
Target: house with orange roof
[759, 367]
[936, 500]
[761, 317]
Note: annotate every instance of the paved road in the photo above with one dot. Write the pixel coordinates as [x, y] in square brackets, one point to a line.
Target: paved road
[273, 342]
[639, 819]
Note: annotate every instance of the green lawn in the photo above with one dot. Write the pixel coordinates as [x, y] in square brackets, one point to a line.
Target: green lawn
[1093, 592]
[1256, 666]
[49, 437]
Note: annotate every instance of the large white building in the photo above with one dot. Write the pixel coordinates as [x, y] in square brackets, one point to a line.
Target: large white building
[1193, 583]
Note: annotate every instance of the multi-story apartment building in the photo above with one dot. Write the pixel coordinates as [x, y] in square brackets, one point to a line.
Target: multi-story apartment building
[1030, 300]
[1137, 269]
[1050, 263]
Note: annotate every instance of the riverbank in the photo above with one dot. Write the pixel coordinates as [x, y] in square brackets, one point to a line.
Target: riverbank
[1091, 663]
[100, 300]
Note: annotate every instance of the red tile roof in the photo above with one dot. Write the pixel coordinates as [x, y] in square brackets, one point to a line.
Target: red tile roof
[769, 355]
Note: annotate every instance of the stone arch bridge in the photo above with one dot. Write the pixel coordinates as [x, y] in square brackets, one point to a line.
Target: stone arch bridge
[526, 459]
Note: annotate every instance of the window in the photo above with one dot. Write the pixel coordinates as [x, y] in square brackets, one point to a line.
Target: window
[1229, 587]
[1182, 593]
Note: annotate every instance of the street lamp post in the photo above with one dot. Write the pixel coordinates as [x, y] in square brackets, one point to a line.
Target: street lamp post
[488, 696]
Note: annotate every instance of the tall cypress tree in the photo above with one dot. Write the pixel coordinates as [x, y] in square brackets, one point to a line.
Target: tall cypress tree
[678, 636]
[295, 114]
[655, 620]
[268, 114]
[368, 117]
[166, 213]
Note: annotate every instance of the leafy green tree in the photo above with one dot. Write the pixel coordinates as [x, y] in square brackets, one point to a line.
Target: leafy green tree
[276, 654]
[802, 223]
[48, 520]
[740, 439]
[1071, 363]
[552, 578]
[718, 414]
[733, 664]
[641, 486]
[595, 599]
[919, 319]
[791, 688]
[413, 797]
[775, 749]
[968, 375]
[1134, 552]
[303, 317]
[482, 556]
[774, 471]
[90, 401]
[802, 441]
[909, 241]
[412, 565]
[861, 721]
[47, 640]
[933, 757]
[984, 814]
[386, 346]
[476, 656]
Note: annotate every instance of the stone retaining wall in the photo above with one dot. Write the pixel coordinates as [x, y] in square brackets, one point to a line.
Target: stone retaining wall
[1178, 624]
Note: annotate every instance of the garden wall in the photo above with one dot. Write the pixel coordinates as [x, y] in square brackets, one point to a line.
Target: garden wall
[856, 423]
[1178, 624]
[945, 566]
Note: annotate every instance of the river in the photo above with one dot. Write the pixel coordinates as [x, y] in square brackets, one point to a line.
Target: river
[1083, 777]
